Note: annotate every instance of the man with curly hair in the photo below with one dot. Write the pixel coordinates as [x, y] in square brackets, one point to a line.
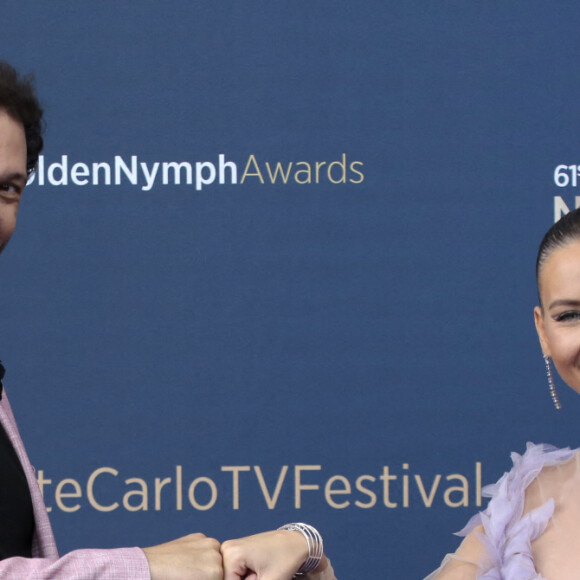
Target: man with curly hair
[27, 546]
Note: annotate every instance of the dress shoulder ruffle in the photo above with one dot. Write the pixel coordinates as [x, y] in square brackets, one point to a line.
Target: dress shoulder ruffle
[508, 532]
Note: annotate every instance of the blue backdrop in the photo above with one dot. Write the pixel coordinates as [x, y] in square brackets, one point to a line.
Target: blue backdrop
[278, 265]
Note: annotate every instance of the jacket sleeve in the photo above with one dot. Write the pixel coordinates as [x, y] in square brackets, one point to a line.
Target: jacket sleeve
[117, 564]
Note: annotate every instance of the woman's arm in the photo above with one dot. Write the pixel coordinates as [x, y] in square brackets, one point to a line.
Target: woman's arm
[465, 563]
[275, 555]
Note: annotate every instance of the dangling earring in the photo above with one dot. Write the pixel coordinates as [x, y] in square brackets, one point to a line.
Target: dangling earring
[551, 385]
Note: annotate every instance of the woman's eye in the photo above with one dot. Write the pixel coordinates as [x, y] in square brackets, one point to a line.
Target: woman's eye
[567, 316]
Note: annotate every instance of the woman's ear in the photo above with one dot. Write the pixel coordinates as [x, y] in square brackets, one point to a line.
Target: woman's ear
[541, 330]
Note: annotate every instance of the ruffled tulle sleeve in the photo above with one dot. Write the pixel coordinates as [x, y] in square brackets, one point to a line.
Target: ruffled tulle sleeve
[497, 544]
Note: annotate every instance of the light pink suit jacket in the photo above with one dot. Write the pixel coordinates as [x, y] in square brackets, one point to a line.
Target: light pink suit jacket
[45, 564]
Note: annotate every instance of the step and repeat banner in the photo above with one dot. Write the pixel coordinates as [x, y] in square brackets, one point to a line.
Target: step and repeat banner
[277, 264]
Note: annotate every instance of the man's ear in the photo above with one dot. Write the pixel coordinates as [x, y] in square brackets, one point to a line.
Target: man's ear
[541, 330]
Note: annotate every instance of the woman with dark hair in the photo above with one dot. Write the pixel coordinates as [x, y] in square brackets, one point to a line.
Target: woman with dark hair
[531, 527]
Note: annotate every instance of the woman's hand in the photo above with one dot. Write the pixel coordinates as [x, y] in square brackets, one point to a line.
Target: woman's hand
[275, 555]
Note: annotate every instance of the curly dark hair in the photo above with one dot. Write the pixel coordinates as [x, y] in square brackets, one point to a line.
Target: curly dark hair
[18, 99]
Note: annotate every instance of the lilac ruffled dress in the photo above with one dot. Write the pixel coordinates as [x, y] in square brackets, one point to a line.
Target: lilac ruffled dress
[498, 543]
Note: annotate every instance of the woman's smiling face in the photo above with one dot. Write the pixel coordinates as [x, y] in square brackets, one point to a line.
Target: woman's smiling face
[558, 317]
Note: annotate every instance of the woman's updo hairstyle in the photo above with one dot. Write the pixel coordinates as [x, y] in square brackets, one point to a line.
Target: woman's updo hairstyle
[564, 231]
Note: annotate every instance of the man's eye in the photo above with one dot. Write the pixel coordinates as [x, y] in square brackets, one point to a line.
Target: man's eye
[9, 187]
[567, 316]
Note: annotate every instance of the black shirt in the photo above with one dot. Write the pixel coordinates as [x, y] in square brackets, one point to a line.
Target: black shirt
[16, 512]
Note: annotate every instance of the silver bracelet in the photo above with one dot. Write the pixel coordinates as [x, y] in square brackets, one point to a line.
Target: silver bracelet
[314, 542]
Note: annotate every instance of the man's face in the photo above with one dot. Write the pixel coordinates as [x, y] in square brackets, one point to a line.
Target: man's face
[12, 173]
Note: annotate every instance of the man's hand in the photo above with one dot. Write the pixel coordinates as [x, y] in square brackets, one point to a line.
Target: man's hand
[192, 557]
